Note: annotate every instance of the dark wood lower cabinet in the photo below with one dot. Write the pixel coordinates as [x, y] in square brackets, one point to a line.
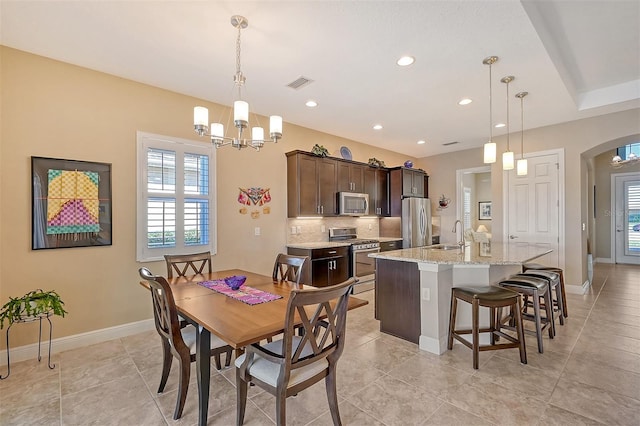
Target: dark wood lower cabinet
[328, 266]
[398, 299]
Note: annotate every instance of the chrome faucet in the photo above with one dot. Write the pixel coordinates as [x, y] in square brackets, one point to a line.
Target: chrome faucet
[461, 243]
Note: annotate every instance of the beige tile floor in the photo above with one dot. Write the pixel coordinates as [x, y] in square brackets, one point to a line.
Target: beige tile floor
[588, 375]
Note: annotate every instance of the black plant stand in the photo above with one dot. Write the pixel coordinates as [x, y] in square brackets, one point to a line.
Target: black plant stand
[31, 319]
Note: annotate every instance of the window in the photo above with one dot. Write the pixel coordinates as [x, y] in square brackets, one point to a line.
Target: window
[624, 151]
[176, 197]
[466, 208]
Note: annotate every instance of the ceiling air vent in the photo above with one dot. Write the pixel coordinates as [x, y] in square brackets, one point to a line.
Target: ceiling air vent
[299, 83]
[450, 143]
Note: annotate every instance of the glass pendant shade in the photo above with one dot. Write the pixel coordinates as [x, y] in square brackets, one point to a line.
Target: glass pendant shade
[507, 160]
[200, 116]
[257, 133]
[521, 167]
[240, 111]
[490, 152]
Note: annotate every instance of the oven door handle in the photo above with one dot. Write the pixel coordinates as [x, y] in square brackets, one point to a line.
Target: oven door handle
[372, 250]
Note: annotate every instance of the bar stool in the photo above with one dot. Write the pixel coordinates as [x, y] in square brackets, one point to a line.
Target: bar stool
[539, 267]
[494, 298]
[554, 284]
[536, 288]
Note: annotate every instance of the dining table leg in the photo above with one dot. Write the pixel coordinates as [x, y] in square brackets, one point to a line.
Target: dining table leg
[203, 372]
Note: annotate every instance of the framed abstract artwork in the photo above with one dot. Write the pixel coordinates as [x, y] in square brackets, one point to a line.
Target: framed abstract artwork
[70, 203]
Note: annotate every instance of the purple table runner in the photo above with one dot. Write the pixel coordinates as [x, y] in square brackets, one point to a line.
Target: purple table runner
[245, 294]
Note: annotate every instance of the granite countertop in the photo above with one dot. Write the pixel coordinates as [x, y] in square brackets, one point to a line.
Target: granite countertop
[497, 254]
[318, 245]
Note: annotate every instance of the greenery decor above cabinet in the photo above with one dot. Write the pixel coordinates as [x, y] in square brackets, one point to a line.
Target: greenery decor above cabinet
[313, 183]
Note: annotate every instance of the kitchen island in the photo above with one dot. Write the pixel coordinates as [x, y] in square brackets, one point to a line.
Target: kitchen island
[413, 286]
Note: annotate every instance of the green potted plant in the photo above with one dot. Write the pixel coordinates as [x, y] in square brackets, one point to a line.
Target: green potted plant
[31, 305]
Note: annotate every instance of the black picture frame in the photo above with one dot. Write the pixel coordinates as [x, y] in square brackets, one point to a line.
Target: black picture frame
[73, 216]
[484, 210]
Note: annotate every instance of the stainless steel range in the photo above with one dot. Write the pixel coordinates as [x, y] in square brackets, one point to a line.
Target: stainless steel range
[363, 267]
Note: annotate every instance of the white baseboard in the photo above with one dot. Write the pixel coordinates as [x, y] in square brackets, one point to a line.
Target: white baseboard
[604, 260]
[26, 352]
[578, 289]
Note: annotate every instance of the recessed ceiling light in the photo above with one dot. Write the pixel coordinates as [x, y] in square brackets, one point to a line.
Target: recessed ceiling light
[421, 142]
[311, 103]
[465, 101]
[377, 127]
[405, 60]
[499, 125]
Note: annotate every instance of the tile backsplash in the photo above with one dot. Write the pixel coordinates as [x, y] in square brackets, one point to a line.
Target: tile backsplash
[317, 230]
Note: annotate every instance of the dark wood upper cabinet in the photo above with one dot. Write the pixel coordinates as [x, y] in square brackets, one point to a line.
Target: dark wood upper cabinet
[350, 177]
[376, 182]
[404, 182]
[311, 185]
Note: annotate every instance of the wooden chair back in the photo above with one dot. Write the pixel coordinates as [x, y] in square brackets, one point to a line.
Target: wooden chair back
[323, 312]
[288, 268]
[165, 314]
[183, 264]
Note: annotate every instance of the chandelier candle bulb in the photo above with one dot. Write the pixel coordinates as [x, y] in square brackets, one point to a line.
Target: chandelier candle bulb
[241, 113]
[257, 133]
[200, 119]
[275, 126]
[217, 130]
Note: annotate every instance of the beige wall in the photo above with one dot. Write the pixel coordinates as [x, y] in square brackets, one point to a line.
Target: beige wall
[53, 109]
[581, 140]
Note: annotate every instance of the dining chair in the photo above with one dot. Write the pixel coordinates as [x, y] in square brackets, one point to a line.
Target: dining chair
[288, 268]
[177, 341]
[183, 264]
[287, 366]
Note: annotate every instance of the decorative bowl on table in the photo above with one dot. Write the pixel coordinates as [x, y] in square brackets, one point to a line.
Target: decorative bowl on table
[235, 281]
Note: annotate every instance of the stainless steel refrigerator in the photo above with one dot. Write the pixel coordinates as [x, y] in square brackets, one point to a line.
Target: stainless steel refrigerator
[416, 222]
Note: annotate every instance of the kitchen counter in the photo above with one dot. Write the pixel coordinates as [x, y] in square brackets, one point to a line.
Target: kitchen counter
[318, 245]
[473, 254]
[413, 286]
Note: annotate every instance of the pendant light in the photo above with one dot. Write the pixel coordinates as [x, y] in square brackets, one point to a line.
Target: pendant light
[521, 165]
[507, 156]
[490, 147]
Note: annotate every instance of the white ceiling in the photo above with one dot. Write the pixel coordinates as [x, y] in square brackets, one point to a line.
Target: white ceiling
[576, 59]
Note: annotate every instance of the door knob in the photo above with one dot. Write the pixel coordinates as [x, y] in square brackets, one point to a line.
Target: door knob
[512, 237]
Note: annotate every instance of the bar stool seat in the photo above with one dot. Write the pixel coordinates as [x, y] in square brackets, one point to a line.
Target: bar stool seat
[536, 288]
[494, 298]
[538, 266]
[554, 284]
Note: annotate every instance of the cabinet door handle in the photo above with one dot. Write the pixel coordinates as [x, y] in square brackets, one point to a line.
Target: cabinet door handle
[321, 209]
[335, 264]
[333, 252]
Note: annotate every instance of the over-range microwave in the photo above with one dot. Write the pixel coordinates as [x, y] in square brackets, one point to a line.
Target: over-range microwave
[353, 204]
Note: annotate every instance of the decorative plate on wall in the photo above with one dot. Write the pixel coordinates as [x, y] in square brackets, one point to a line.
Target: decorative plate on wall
[346, 153]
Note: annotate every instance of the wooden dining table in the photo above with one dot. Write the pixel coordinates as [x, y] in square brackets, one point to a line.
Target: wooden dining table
[237, 323]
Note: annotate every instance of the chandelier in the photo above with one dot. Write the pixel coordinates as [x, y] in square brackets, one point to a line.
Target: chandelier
[617, 161]
[240, 112]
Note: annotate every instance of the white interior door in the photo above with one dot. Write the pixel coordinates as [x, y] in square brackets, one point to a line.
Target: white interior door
[627, 218]
[533, 206]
